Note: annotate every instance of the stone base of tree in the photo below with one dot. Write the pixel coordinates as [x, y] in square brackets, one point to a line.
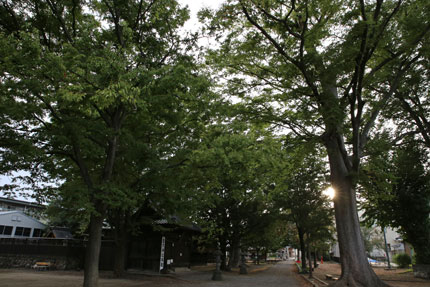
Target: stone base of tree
[422, 271]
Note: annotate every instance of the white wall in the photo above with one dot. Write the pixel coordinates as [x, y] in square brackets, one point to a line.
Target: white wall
[18, 219]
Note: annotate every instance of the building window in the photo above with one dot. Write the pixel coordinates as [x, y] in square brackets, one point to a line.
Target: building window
[37, 232]
[22, 231]
[19, 231]
[8, 230]
[5, 230]
[27, 232]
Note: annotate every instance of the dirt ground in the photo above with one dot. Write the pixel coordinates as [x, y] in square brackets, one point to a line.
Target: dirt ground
[200, 276]
[267, 275]
[395, 277]
[30, 278]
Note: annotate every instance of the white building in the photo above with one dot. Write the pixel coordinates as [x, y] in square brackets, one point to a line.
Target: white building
[394, 244]
[30, 208]
[17, 224]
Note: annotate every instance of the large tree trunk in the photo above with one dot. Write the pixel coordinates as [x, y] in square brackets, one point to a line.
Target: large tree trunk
[234, 259]
[302, 247]
[315, 258]
[356, 270]
[92, 252]
[309, 260]
[223, 244]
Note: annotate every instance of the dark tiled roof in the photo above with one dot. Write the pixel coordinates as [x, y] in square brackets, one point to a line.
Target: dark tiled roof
[61, 233]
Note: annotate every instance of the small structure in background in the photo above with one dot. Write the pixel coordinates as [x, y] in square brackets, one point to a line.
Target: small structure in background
[25, 240]
[146, 244]
[59, 233]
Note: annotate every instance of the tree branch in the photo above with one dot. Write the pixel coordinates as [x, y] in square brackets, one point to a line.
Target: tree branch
[60, 19]
[378, 107]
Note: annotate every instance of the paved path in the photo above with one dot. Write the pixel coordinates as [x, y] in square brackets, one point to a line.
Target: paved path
[278, 275]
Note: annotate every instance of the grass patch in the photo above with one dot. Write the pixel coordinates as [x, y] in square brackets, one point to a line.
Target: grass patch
[301, 270]
[406, 271]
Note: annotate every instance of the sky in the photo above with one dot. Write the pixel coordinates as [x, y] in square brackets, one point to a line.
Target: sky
[191, 25]
[195, 6]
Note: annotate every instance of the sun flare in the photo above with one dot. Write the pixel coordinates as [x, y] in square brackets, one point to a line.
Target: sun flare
[330, 192]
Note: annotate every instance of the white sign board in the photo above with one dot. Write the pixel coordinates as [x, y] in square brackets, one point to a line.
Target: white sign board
[163, 246]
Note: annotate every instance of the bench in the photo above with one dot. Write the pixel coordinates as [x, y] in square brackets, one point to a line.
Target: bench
[40, 266]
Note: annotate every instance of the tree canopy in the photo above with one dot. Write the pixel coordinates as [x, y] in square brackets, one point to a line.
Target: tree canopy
[105, 98]
[98, 94]
[323, 69]
[397, 194]
[231, 171]
[300, 182]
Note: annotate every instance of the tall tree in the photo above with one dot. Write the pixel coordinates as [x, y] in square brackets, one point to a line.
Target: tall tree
[88, 88]
[267, 232]
[398, 195]
[299, 194]
[331, 67]
[231, 170]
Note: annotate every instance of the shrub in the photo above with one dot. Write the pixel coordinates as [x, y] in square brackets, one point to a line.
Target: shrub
[403, 260]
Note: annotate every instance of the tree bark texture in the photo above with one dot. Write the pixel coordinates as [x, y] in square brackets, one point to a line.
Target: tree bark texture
[309, 260]
[223, 248]
[234, 256]
[356, 270]
[302, 248]
[315, 259]
[92, 251]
